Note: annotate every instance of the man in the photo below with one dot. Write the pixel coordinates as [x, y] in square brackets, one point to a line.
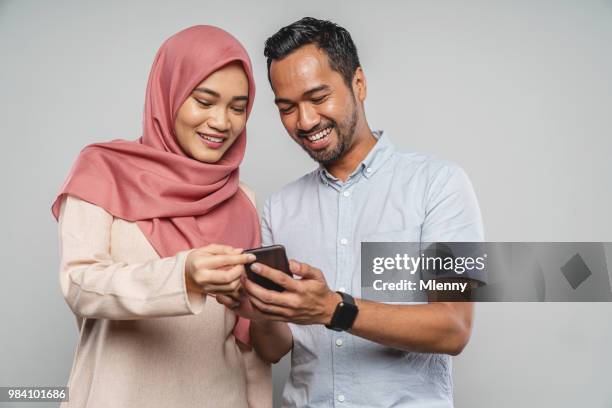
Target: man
[364, 190]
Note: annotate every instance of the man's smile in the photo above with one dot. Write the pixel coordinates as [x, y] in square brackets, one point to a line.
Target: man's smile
[318, 140]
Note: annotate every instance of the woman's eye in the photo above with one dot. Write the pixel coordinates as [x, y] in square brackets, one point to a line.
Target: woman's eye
[238, 109]
[206, 104]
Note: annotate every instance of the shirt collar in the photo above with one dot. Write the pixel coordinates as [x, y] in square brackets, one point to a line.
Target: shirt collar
[375, 159]
[379, 155]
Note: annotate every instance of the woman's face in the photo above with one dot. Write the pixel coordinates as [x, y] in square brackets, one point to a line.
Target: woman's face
[214, 114]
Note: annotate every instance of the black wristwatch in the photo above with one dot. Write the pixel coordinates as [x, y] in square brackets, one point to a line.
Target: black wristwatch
[345, 314]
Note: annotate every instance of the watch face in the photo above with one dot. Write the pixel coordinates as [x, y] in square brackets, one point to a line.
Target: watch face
[349, 307]
[346, 314]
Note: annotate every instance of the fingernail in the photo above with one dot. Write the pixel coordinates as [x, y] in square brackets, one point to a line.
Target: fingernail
[251, 257]
[238, 250]
[256, 267]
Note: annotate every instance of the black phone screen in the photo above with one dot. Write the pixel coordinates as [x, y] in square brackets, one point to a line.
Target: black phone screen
[273, 256]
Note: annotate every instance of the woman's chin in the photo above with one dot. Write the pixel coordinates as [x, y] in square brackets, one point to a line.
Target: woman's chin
[207, 155]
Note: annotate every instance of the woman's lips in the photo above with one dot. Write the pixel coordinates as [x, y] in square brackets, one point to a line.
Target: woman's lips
[212, 141]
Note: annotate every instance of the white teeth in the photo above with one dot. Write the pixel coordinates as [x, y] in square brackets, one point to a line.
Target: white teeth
[211, 138]
[320, 135]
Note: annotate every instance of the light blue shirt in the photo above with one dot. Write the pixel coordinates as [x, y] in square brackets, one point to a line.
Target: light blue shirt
[391, 196]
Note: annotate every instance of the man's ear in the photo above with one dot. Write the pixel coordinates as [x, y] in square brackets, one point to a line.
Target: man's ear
[359, 85]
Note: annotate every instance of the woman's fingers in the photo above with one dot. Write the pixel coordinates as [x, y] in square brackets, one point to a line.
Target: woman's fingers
[218, 276]
[218, 261]
[227, 301]
[218, 269]
[218, 249]
[235, 295]
[215, 281]
[223, 289]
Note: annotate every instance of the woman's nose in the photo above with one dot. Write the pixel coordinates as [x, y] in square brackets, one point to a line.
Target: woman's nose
[219, 120]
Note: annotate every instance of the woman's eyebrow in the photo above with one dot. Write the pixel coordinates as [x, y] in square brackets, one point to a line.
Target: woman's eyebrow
[218, 95]
[208, 91]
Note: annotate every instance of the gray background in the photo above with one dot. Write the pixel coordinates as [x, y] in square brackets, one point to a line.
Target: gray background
[517, 92]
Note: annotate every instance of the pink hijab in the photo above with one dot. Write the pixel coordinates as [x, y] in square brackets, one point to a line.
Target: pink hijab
[178, 202]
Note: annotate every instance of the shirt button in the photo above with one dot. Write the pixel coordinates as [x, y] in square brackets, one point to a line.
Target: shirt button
[341, 398]
[344, 241]
[346, 193]
[369, 170]
[339, 342]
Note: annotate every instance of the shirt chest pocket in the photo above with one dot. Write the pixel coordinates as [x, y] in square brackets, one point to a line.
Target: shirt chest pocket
[385, 245]
[411, 234]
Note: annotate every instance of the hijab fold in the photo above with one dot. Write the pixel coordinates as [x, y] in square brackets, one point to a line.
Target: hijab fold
[178, 202]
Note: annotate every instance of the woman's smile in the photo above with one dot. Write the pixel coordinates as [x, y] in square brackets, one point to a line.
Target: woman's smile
[214, 141]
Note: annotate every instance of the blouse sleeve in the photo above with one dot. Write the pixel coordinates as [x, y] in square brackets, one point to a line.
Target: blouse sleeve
[96, 286]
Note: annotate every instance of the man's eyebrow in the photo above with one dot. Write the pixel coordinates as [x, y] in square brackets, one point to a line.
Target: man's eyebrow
[316, 89]
[282, 100]
[216, 94]
[305, 94]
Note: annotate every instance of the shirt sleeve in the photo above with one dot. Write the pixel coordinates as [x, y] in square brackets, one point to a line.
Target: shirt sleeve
[96, 286]
[452, 214]
[451, 209]
[266, 224]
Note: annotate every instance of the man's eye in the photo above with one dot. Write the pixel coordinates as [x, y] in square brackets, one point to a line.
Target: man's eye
[285, 110]
[319, 99]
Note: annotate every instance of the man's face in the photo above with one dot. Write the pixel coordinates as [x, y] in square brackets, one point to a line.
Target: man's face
[316, 106]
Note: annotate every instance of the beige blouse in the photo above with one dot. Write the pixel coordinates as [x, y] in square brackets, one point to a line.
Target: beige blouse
[144, 340]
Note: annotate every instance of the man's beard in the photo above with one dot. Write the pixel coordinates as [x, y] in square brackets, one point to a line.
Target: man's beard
[345, 133]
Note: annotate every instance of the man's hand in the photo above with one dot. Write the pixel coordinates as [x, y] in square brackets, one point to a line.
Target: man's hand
[305, 301]
[436, 327]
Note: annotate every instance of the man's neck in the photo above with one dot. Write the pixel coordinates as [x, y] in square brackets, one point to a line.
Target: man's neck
[344, 166]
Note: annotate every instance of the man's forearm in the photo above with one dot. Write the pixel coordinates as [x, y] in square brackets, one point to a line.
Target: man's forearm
[271, 339]
[434, 327]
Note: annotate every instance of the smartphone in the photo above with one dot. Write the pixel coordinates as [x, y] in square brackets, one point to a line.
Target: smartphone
[273, 256]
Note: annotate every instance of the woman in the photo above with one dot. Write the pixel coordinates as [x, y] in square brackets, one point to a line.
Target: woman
[149, 228]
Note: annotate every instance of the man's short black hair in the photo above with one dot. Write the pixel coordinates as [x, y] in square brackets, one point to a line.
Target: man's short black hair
[334, 40]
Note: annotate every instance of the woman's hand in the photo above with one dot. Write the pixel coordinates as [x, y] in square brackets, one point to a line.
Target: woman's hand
[216, 269]
[241, 305]
[271, 339]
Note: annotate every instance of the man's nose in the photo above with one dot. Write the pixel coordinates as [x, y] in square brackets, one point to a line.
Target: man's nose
[308, 117]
